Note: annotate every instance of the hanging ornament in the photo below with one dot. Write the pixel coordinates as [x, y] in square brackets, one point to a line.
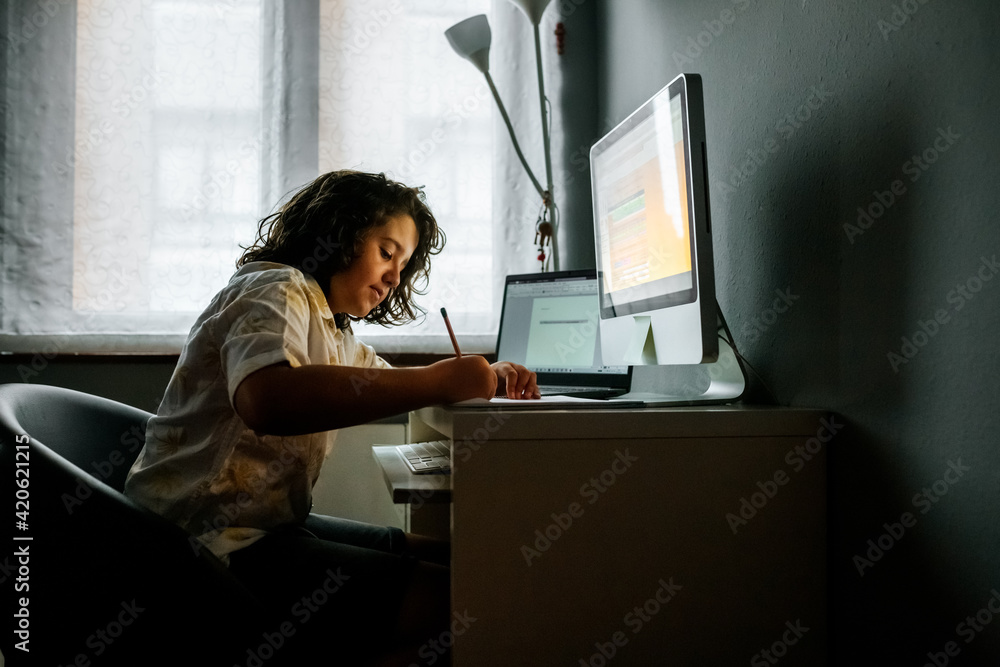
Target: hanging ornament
[543, 238]
[543, 233]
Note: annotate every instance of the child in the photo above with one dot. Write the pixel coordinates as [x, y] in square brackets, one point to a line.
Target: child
[270, 370]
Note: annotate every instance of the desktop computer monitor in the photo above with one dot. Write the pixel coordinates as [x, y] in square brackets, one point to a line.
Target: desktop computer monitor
[653, 233]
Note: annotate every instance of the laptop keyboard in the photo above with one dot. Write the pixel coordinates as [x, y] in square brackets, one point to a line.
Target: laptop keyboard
[553, 389]
[427, 458]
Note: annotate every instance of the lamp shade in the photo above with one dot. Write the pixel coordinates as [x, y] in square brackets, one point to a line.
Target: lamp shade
[471, 40]
[533, 9]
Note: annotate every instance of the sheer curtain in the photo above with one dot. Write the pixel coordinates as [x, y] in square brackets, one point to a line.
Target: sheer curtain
[394, 97]
[133, 160]
[143, 139]
[394, 94]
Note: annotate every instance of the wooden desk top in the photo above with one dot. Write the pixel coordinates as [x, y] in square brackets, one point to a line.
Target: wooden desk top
[679, 422]
[479, 425]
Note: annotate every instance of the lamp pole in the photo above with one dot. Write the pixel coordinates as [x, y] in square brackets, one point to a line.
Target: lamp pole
[471, 40]
[513, 137]
[548, 198]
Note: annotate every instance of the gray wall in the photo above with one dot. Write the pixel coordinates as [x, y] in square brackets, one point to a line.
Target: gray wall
[137, 381]
[880, 94]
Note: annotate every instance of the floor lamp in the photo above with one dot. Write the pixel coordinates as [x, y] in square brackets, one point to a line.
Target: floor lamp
[471, 39]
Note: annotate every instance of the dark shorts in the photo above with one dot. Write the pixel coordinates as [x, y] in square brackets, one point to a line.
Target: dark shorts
[335, 587]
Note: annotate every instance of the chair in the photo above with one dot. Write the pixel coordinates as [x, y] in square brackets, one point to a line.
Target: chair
[105, 578]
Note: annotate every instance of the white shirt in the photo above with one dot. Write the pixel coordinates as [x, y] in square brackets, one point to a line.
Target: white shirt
[202, 467]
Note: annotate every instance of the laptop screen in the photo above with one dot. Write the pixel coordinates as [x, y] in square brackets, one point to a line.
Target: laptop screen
[549, 324]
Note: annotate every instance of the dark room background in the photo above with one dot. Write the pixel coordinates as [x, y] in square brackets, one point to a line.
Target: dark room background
[852, 154]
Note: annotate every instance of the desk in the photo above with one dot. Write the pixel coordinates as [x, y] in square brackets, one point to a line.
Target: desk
[681, 536]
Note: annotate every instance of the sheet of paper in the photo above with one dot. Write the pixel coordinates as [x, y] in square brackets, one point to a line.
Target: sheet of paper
[545, 402]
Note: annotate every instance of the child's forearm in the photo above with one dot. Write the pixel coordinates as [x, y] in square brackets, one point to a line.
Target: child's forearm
[281, 400]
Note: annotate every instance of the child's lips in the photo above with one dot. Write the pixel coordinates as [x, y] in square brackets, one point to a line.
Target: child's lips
[378, 293]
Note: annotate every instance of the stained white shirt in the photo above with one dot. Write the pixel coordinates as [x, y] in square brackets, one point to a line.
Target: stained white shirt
[202, 467]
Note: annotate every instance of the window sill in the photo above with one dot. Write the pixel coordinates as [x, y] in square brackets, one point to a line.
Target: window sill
[391, 348]
[405, 359]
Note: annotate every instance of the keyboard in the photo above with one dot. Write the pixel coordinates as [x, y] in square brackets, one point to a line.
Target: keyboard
[427, 458]
[581, 392]
[554, 389]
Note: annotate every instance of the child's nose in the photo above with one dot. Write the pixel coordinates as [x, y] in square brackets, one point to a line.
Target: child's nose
[391, 277]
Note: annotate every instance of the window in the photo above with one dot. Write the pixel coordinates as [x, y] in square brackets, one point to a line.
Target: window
[167, 159]
[394, 97]
[148, 137]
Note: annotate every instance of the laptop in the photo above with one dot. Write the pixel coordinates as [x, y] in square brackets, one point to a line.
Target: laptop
[549, 323]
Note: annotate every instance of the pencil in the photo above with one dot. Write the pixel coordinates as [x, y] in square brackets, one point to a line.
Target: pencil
[451, 332]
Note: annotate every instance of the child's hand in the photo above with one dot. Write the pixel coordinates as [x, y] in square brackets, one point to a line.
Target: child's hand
[462, 378]
[517, 380]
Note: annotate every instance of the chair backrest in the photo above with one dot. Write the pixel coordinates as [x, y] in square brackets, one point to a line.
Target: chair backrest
[101, 436]
[95, 554]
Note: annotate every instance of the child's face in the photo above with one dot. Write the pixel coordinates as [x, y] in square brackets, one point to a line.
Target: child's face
[367, 281]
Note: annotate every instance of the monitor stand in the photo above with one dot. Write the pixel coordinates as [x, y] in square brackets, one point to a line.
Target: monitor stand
[722, 381]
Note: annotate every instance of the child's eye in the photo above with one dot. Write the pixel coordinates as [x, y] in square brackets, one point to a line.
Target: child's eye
[386, 254]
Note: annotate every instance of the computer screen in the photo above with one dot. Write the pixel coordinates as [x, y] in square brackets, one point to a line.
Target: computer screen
[652, 232]
[550, 324]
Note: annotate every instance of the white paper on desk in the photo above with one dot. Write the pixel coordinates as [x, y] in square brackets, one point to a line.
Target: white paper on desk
[540, 403]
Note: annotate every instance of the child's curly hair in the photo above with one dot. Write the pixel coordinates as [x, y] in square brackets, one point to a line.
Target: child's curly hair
[321, 229]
